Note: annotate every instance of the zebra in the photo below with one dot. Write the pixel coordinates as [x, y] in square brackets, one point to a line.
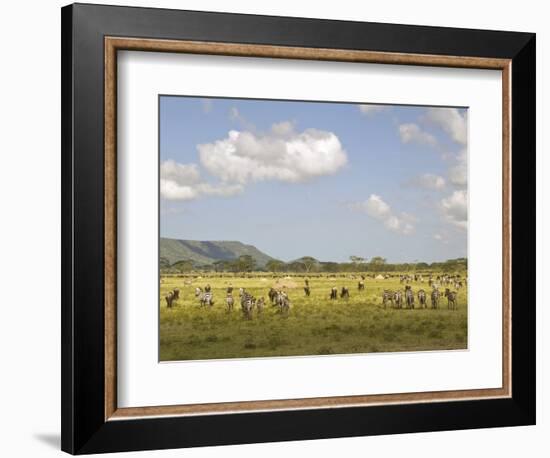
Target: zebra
[176, 294]
[451, 299]
[169, 299]
[334, 293]
[344, 294]
[435, 298]
[387, 296]
[284, 302]
[272, 294]
[229, 301]
[361, 285]
[398, 298]
[247, 304]
[307, 290]
[409, 297]
[207, 298]
[260, 305]
[422, 298]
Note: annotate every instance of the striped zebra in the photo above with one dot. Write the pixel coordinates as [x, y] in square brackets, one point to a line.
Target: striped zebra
[247, 305]
[422, 298]
[398, 298]
[230, 302]
[272, 294]
[387, 296]
[260, 303]
[207, 298]
[169, 298]
[344, 294]
[284, 302]
[409, 297]
[451, 299]
[435, 298]
[176, 294]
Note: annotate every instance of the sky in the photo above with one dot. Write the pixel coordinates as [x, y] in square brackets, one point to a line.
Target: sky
[322, 179]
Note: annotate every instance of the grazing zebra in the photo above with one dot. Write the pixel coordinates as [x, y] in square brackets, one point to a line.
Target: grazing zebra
[176, 294]
[169, 299]
[435, 298]
[344, 294]
[361, 285]
[334, 293]
[229, 301]
[409, 297]
[398, 298]
[451, 299]
[422, 298]
[387, 296]
[260, 305]
[198, 291]
[207, 298]
[307, 290]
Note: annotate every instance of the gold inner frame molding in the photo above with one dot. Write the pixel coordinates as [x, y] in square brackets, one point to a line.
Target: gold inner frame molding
[114, 44]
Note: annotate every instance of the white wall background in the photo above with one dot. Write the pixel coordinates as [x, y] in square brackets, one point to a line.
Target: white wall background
[30, 229]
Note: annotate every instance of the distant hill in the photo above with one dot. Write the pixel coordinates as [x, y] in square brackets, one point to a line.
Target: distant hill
[205, 252]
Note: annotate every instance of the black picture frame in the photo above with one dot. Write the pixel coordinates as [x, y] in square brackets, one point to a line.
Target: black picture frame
[84, 428]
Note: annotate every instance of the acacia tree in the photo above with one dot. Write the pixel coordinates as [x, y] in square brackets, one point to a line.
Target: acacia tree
[378, 261]
[357, 259]
[274, 265]
[183, 266]
[246, 263]
[308, 262]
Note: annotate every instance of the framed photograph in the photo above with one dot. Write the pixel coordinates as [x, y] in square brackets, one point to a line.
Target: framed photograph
[283, 228]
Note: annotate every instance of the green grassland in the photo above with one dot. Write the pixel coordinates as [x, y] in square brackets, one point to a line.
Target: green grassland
[315, 325]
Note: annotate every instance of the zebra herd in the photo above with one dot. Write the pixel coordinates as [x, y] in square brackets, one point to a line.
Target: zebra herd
[279, 297]
[249, 303]
[406, 298]
[455, 281]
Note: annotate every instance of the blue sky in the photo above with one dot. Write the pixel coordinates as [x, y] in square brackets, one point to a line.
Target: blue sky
[328, 180]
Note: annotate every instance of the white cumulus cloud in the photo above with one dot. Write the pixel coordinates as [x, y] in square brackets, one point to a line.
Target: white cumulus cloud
[455, 209]
[378, 209]
[458, 173]
[429, 181]
[281, 154]
[372, 109]
[451, 121]
[412, 133]
[183, 182]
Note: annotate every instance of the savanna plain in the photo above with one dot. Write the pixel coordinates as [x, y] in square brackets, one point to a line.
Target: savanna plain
[313, 325]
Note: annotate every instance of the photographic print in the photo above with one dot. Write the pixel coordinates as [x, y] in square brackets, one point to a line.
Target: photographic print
[301, 228]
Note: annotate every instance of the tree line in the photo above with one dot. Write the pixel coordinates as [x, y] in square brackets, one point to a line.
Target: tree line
[308, 264]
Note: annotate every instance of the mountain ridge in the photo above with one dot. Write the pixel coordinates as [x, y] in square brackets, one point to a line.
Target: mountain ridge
[208, 251]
